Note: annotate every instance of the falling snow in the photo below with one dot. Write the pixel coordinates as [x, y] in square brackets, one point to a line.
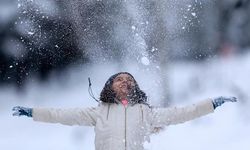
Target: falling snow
[31, 33]
[145, 61]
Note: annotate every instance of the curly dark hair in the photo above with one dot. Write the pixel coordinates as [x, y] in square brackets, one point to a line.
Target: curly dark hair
[108, 95]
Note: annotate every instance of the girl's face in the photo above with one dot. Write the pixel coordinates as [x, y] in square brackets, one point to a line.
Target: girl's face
[123, 84]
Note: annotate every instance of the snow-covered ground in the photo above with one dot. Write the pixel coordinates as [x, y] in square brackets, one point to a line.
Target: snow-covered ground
[228, 128]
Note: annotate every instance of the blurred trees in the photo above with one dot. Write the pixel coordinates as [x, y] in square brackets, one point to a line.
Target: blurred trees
[33, 42]
[233, 25]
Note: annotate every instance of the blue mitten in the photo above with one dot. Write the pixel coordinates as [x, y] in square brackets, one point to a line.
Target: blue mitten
[220, 100]
[22, 111]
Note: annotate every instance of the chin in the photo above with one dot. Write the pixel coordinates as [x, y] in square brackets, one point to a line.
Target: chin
[125, 93]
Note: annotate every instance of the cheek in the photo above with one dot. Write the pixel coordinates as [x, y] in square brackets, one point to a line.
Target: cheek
[132, 84]
[115, 87]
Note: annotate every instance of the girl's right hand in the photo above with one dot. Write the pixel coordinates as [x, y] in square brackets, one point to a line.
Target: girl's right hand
[22, 111]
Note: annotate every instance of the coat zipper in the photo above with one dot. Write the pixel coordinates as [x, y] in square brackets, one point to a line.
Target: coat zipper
[108, 112]
[141, 113]
[125, 134]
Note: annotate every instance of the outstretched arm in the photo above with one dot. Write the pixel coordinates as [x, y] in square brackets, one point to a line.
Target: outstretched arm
[175, 115]
[73, 116]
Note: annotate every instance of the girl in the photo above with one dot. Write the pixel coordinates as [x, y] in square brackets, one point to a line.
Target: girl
[123, 120]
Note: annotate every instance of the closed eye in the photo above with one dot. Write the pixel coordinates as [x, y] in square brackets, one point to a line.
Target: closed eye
[130, 79]
[118, 79]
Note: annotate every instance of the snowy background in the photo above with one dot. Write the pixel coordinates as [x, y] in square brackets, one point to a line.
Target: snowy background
[180, 52]
[228, 128]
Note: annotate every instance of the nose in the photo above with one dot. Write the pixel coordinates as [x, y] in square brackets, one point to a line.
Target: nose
[124, 81]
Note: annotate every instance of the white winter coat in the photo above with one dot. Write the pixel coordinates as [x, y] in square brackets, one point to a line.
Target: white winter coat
[122, 128]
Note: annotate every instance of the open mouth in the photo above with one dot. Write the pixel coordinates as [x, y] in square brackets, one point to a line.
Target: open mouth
[125, 87]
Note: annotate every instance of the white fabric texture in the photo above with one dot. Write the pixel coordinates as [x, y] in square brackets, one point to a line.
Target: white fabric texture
[123, 128]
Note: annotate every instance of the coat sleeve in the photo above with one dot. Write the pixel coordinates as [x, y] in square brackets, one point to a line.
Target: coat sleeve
[175, 115]
[72, 116]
